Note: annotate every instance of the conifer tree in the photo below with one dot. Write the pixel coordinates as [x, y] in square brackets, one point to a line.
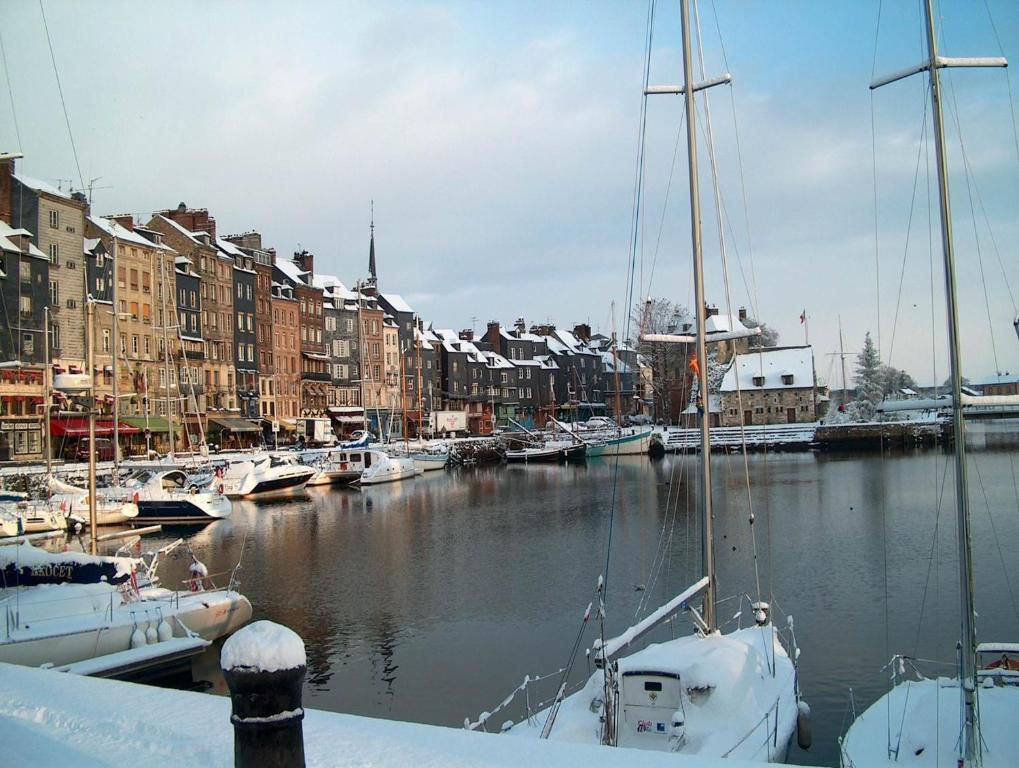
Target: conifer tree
[869, 380]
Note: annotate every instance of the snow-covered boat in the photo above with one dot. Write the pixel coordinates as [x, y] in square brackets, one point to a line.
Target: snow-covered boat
[969, 719]
[380, 467]
[69, 608]
[263, 478]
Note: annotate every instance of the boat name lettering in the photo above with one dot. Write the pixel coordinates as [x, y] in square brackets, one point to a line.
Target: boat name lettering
[53, 571]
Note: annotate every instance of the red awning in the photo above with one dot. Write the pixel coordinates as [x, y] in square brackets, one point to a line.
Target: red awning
[79, 428]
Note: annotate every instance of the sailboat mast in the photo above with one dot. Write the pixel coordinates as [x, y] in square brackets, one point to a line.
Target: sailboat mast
[116, 372]
[971, 730]
[842, 354]
[702, 357]
[90, 340]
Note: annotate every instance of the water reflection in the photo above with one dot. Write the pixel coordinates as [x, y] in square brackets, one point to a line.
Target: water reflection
[429, 600]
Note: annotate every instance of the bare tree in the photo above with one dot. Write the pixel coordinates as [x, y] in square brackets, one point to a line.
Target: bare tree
[668, 361]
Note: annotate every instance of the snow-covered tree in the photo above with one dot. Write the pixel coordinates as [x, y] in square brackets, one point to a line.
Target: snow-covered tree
[870, 386]
[768, 337]
[895, 379]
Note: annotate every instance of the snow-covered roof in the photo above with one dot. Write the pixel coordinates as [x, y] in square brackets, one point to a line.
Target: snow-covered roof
[608, 360]
[456, 344]
[526, 363]
[192, 236]
[8, 245]
[334, 287]
[495, 360]
[89, 244]
[422, 338]
[229, 248]
[293, 272]
[114, 229]
[41, 186]
[397, 303]
[773, 364]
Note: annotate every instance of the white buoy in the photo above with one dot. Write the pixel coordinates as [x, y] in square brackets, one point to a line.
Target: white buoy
[150, 631]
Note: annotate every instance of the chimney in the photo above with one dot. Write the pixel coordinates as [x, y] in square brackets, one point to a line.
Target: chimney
[306, 261]
[742, 314]
[467, 334]
[710, 310]
[492, 334]
[543, 330]
[126, 220]
[192, 219]
[272, 256]
[7, 161]
[520, 327]
[582, 332]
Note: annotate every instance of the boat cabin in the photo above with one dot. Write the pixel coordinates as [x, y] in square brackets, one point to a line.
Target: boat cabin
[650, 710]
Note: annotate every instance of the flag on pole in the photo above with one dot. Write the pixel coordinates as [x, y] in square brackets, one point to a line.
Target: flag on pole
[694, 366]
[803, 317]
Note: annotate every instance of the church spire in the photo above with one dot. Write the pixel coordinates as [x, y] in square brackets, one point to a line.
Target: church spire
[373, 278]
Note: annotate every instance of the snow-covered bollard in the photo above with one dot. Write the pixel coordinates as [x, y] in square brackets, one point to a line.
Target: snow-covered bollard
[264, 666]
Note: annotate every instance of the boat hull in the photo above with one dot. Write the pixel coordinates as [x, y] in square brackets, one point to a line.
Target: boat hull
[181, 511]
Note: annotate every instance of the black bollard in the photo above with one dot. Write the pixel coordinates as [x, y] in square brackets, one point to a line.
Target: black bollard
[266, 700]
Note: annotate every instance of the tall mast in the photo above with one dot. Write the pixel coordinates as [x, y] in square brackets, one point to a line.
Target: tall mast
[166, 352]
[116, 373]
[420, 394]
[842, 354]
[702, 357]
[47, 374]
[615, 369]
[971, 730]
[90, 338]
[970, 747]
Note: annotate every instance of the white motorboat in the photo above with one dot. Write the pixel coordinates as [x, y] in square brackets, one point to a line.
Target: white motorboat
[88, 614]
[968, 719]
[430, 461]
[23, 517]
[263, 478]
[173, 497]
[380, 467]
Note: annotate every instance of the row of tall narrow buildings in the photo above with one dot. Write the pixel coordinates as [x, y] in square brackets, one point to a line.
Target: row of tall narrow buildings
[218, 338]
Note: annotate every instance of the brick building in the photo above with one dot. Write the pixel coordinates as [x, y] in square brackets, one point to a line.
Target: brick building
[776, 385]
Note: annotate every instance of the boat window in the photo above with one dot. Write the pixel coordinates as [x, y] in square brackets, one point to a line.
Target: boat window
[652, 686]
[367, 460]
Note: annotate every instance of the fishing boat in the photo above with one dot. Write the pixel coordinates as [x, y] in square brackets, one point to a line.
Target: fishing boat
[549, 451]
[968, 719]
[711, 693]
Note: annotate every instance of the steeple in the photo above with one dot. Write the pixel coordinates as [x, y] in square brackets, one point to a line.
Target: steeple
[373, 278]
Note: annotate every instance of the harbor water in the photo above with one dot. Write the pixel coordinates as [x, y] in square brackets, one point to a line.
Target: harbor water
[430, 600]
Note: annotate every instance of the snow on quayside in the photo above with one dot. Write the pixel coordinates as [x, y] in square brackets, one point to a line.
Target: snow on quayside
[51, 718]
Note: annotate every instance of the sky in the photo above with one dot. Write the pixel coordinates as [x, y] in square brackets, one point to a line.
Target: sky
[499, 143]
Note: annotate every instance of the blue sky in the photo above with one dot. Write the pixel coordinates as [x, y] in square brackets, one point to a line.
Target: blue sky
[498, 141]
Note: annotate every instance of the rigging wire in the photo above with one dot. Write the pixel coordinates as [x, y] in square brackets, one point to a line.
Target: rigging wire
[1008, 82]
[873, 160]
[10, 91]
[997, 540]
[60, 90]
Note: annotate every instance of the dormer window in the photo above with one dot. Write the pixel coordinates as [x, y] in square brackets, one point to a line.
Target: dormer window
[758, 381]
[787, 378]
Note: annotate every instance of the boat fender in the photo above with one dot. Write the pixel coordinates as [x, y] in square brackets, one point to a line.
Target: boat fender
[134, 497]
[803, 736]
[137, 637]
[151, 636]
[220, 489]
[677, 731]
[164, 631]
[197, 573]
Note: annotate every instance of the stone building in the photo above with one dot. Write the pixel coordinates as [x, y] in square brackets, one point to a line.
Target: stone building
[286, 354]
[775, 385]
[315, 376]
[56, 220]
[192, 233]
[245, 305]
[250, 243]
[340, 329]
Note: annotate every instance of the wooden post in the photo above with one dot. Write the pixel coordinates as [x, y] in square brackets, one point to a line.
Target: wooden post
[264, 665]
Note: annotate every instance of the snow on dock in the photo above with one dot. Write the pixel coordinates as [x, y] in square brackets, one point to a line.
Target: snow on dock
[787, 436]
[51, 718]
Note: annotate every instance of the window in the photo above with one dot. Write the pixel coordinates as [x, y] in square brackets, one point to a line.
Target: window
[106, 340]
[134, 279]
[54, 293]
[146, 282]
[26, 305]
[27, 344]
[349, 325]
[55, 219]
[134, 345]
[247, 291]
[54, 336]
[758, 381]
[148, 346]
[240, 317]
[240, 290]
[54, 253]
[787, 378]
[194, 303]
[134, 310]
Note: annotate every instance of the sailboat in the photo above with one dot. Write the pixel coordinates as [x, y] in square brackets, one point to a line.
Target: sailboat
[710, 694]
[968, 720]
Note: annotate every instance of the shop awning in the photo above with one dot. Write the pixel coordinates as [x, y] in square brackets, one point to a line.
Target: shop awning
[155, 423]
[349, 419]
[315, 356]
[79, 428]
[285, 426]
[232, 424]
